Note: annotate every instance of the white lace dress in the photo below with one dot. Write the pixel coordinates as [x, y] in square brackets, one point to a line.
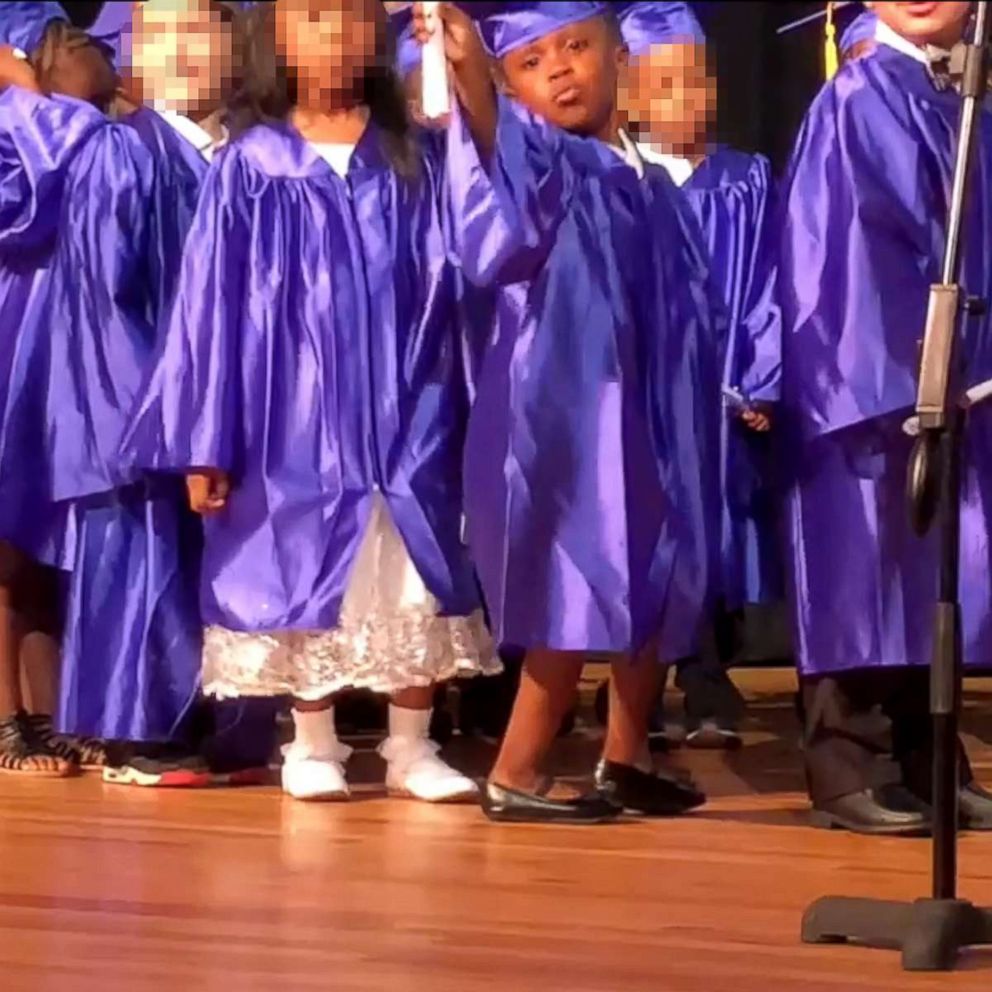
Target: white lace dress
[389, 636]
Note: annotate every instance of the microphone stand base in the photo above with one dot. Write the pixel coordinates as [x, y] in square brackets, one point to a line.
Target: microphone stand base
[930, 933]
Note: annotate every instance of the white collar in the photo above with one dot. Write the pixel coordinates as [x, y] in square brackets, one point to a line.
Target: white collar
[679, 169]
[884, 35]
[191, 131]
[630, 153]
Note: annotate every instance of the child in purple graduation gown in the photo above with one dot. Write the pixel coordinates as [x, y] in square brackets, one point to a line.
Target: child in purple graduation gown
[587, 486]
[40, 53]
[310, 389]
[131, 662]
[865, 216]
[669, 95]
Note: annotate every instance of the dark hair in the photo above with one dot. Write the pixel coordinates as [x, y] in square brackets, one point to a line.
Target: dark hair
[268, 93]
[58, 35]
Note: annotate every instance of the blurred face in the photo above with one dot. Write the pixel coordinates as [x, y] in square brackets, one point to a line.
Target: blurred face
[83, 72]
[940, 23]
[569, 77]
[330, 43]
[669, 94]
[182, 54]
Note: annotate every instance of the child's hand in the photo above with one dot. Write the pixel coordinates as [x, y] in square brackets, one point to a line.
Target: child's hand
[16, 72]
[462, 43]
[208, 490]
[758, 418]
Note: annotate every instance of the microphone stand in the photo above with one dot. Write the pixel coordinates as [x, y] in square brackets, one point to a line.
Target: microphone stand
[931, 932]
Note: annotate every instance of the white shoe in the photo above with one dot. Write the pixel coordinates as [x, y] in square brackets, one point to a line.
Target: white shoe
[414, 770]
[316, 778]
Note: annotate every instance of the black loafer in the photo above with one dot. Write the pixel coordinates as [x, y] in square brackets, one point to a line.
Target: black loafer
[975, 807]
[645, 793]
[888, 811]
[512, 806]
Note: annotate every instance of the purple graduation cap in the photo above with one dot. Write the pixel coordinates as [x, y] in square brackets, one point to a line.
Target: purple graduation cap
[506, 27]
[647, 24]
[112, 28]
[22, 25]
[862, 28]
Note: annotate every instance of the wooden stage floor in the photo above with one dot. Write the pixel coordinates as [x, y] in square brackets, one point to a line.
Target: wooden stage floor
[107, 889]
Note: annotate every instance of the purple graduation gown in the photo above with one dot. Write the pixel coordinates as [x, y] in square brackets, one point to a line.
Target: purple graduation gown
[731, 194]
[590, 483]
[313, 355]
[865, 213]
[39, 138]
[133, 634]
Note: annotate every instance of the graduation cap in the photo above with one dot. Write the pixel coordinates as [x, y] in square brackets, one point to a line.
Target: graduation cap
[22, 25]
[645, 24]
[506, 27]
[112, 28]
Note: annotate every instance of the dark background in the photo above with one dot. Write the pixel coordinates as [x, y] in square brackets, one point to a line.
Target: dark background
[766, 80]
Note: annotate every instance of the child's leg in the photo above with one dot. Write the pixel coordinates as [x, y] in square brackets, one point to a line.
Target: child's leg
[633, 690]
[313, 766]
[414, 767]
[626, 773]
[19, 752]
[547, 691]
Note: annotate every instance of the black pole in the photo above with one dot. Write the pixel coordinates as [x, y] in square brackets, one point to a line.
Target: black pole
[946, 669]
[931, 932]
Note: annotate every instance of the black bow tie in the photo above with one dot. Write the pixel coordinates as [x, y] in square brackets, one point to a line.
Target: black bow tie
[947, 67]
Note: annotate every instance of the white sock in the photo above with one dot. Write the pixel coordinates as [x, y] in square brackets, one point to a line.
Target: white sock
[409, 724]
[316, 735]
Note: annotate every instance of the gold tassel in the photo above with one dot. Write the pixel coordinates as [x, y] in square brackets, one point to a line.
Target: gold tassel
[831, 59]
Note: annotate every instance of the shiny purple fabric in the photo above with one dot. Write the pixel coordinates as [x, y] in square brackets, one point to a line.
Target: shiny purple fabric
[133, 633]
[644, 24]
[92, 222]
[731, 193]
[39, 139]
[594, 425]
[313, 354]
[508, 26]
[23, 24]
[865, 212]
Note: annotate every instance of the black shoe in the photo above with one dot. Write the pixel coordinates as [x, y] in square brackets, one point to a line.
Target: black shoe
[645, 793]
[891, 810]
[975, 807]
[711, 735]
[511, 806]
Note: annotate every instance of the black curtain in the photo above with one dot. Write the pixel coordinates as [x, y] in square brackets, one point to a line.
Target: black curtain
[767, 81]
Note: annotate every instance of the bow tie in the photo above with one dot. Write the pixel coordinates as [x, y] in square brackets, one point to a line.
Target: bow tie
[946, 68]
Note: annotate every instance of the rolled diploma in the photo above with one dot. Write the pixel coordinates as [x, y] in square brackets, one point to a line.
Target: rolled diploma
[435, 99]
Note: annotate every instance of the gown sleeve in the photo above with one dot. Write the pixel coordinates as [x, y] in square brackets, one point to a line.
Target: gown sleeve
[38, 138]
[860, 243]
[187, 414]
[760, 371]
[102, 306]
[503, 218]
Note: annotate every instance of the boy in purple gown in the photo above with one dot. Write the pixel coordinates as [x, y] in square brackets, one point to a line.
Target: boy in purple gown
[669, 96]
[865, 211]
[40, 55]
[588, 495]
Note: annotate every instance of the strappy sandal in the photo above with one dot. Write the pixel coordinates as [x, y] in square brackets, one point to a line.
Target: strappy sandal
[20, 756]
[87, 752]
